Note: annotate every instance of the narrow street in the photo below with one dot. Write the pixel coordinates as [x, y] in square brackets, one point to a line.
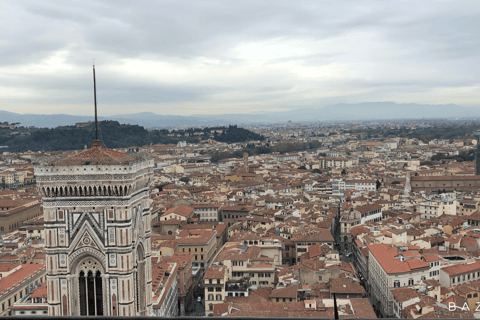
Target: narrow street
[195, 309]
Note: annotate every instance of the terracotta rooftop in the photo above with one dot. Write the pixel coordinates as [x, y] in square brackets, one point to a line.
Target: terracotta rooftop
[345, 286]
[404, 294]
[462, 268]
[40, 291]
[215, 272]
[181, 210]
[368, 207]
[97, 155]
[287, 292]
[385, 255]
[18, 276]
[4, 267]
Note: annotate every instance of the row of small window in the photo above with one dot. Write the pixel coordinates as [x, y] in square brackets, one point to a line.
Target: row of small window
[251, 274]
[237, 263]
[218, 297]
[210, 281]
[236, 294]
[369, 213]
[190, 250]
[206, 214]
[470, 275]
[309, 244]
[254, 283]
[396, 283]
[217, 289]
[285, 299]
[434, 273]
[9, 301]
[232, 216]
[435, 263]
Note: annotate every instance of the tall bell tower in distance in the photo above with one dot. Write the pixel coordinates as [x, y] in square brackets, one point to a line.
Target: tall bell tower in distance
[97, 225]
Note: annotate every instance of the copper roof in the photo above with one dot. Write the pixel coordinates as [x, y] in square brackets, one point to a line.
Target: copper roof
[97, 155]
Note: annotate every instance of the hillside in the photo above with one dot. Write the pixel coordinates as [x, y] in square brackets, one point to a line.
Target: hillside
[113, 135]
[338, 112]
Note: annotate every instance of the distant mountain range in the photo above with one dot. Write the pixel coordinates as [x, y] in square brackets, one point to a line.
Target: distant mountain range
[339, 112]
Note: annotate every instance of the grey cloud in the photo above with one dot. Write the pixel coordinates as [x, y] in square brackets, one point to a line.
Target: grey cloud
[442, 36]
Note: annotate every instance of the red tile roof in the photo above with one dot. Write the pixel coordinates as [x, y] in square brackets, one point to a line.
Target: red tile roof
[181, 210]
[97, 155]
[368, 207]
[385, 255]
[287, 292]
[345, 286]
[462, 268]
[215, 272]
[25, 271]
[40, 291]
[404, 294]
[4, 267]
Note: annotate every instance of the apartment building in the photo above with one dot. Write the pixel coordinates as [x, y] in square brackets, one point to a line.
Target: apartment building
[207, 211]
[261, 274]
[34, 304]
[466, 207]
[388, 268]
[267, 246]
[437, 206]
[13, 213]
[329, 162]
[17, 283]
[184, 277]
[180, 212]
[460, 273]
[358, 215]
[303, 240]
[402, 298]
[231, 213]
[339, 186]
[214, 282]
[201, 243]
[165, 289]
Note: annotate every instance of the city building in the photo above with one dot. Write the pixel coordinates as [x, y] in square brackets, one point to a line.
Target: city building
[389, 268]
[18, 283]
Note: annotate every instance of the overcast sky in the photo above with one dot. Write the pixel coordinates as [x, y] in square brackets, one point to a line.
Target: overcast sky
[187, 57]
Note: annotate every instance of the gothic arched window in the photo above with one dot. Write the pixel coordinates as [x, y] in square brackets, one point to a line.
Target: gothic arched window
[90, 285]
[140, 282]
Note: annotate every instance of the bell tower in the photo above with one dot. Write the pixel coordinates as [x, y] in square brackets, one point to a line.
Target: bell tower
[97, 225]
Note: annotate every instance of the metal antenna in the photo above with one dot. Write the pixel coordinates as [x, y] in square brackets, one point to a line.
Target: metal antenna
[95, 99]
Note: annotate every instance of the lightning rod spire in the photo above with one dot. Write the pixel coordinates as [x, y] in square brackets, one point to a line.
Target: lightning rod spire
[95, 101]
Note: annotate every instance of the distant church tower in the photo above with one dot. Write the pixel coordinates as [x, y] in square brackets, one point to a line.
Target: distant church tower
[245, 162]
[477, 155]
[97, 226]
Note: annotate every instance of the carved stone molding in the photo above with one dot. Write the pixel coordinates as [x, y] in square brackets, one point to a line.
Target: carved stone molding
[95, 203]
